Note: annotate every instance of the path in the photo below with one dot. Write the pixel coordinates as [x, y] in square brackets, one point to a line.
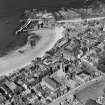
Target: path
[80, 20]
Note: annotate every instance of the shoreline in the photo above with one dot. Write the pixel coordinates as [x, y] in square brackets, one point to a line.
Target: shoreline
[26, 58]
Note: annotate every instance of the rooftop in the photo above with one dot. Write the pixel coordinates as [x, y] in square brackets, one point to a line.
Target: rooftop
[52, 83]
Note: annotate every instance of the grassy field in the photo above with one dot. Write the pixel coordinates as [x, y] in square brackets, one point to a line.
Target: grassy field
[93, 91]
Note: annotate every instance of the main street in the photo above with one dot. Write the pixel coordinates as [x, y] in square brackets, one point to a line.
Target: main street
[80, 20]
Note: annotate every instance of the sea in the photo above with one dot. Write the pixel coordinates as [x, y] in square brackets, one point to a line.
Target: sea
[9, 8]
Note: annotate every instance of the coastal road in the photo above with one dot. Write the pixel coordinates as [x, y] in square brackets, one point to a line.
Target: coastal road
[61, 21]
[15, 60]
[80, 20]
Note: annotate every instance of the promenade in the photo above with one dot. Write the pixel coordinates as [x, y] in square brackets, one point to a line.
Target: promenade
[80, 20]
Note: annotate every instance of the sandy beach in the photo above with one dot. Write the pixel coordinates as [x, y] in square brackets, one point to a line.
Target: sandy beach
[16, 60]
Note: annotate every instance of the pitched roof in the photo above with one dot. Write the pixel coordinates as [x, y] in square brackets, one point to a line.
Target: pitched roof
[53, 83]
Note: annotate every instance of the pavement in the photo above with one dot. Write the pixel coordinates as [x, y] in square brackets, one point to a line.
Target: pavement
[80, 20]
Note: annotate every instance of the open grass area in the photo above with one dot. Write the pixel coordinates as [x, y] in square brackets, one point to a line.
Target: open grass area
[92, 91]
